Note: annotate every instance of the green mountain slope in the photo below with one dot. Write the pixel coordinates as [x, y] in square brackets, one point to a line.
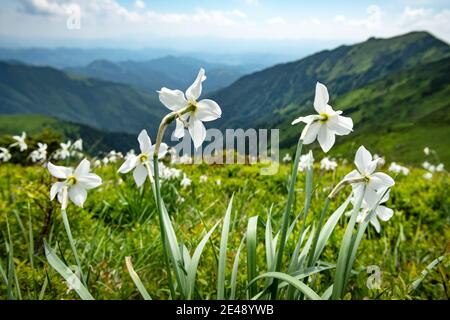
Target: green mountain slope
[396, 90]
[94, 140]
[100, 104]
[397, 116]
[271, 95]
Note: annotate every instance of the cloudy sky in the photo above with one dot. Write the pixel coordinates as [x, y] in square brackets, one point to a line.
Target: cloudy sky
[206, 24]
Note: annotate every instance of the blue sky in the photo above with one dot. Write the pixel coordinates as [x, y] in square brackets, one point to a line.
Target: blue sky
[234, 25]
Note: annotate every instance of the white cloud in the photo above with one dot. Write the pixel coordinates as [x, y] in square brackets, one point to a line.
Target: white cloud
[110, 19]
[276, 20]
[139, 4]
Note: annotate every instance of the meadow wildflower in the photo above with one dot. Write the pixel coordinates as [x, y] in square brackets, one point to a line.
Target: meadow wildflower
[306, 161]
[287, 158]
[364, 179]
[140, 162]
[76, 182]
[20, 142]
[191, 112]
[5, 155]
[326, 124]
[40, 153]
[327, 164]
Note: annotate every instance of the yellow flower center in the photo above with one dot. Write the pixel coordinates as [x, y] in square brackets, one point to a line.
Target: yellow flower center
[71, 180]
[324, 117]
[143, 157]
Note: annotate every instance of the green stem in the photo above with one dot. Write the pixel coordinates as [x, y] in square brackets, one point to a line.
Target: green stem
[71, 242]
[317, 232]
[285, 221]
[157, 194]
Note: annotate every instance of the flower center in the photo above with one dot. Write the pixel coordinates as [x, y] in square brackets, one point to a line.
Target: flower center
[324, 117]
[192, 106]
[143, 157]
[71, 180]
[366, 179]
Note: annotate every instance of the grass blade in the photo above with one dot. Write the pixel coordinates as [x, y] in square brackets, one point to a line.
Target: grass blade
[66, 273]
[137, 281]
[251, 254]
[223, 252]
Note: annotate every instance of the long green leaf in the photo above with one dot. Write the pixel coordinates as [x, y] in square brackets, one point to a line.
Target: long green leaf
[251, 253]
[234, 272]
[137, 281]
[328, 228]
[307, 291]
[223, 252]
[192, 271]
[66, 273]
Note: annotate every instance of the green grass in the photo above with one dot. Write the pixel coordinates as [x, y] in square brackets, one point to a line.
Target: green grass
[119, 221]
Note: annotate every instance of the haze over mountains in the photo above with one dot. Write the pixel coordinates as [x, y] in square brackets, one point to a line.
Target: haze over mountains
[396, 89]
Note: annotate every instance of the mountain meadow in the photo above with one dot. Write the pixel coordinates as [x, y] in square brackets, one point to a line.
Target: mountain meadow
[94, 204]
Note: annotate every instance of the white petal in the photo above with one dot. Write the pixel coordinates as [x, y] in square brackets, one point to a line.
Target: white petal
[77, 195]
[89, 181]
[321, 99]
[172, 99]
[207, 110]
[384, 213]
[195, 90]
[139, 175]
[162, 150]
[371, 196]
[362, 159]
[311, 133]
[376, 224]
[197, 131]
[59, 172]
[179, 129]
[353, 175]
[306, 119]
[128, 165]
[326, 138]
[83, 168]
[358, 189]
[380, 180]
[371, 167]
[144, 141]
[56, 187]
[340, 125]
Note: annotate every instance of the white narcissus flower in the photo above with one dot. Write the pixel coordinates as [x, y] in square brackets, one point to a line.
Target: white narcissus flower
[371, 181]
[380, 212]
[5, 155]
[139, 162]
[428, 176]
[395, 167]
[20, 142]
[287, 158]
[327, 164]
[426, 150]
[203, 178]
[40, 153]
[326, 124]
[306, 161]
[185, 182]
[203, 110]
[76, 181]
[78, 145]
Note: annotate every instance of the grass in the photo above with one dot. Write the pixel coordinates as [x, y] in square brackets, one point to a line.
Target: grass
[121, 221]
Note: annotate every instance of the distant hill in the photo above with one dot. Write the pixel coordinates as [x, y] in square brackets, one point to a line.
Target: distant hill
[168, 71]
[100, 104]
[364, 79]
[94, 140]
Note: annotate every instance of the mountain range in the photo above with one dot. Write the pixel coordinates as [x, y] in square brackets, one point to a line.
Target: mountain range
[395, 89]
[168, 71]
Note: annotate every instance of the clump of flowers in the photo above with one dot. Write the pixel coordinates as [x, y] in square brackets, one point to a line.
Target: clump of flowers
[40, 154]
[328, 164]
[396, 168]
[20, 142]
[5, 155]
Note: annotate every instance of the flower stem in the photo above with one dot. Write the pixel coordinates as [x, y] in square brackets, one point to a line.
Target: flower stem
[285, 221]
[168, 119]
[157, 193]
[69, 235]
